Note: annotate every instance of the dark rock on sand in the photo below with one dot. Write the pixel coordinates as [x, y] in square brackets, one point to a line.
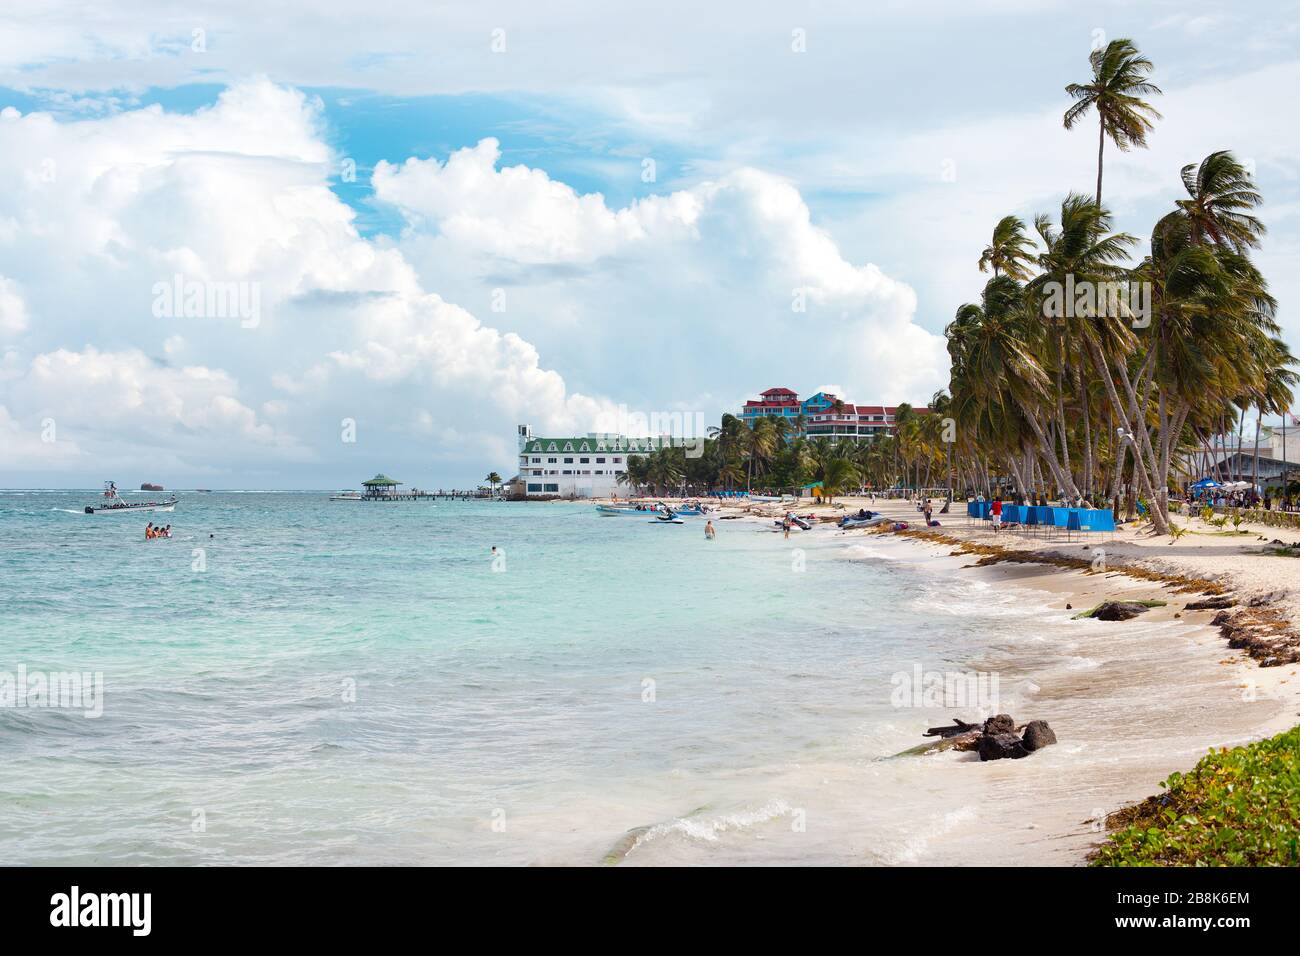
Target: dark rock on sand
[1000, 746]
[1000, 724]
[1038, 735]
[1119, 610]
[1210, 604]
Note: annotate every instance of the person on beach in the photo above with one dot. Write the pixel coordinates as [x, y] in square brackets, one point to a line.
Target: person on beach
[995, 512]
[709, 533]
[929, 510]
[785, 525]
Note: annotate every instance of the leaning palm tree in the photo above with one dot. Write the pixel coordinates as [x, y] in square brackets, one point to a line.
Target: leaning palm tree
[1119, 81]
[637, 474]
[1010, 250]
[1220, 191]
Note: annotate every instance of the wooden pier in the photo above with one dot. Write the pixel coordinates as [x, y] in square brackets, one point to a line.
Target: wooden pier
[383, 488]
[440, 494]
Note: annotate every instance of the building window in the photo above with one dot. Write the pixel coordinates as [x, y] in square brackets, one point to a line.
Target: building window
[618, 461]
[568, 461]
[552, 487]
[537, 461]
[600, 461]
[566, 472]
[532, 488]
[584, 461]
[551, 461]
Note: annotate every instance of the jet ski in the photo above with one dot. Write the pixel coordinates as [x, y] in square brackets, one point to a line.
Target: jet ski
[794, 520]
[868, 520]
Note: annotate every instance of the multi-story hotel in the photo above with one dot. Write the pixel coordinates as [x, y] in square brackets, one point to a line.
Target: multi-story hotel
[824, 415]
[581, 467]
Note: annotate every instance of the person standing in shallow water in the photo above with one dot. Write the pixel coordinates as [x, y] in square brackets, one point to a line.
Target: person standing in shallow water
[709, 532]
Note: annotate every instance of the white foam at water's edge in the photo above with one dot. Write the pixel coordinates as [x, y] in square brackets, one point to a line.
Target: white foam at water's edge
[709, 829]
[914, 847]
[860, 552]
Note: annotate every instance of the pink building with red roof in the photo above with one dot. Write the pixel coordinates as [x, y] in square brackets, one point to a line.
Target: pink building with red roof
[824, 415]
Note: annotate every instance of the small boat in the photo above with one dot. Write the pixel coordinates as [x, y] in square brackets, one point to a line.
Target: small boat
[347, 496]
[112, 504]
[623, 511]
[666, 520]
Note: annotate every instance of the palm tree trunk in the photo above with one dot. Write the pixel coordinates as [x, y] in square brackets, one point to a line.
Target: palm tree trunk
[1158, 518]
[1101, 146]
[1259, 412]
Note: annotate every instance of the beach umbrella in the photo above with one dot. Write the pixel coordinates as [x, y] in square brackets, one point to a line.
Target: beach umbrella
[1207, 483]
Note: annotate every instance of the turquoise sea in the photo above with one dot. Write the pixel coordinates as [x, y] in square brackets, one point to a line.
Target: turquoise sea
[291, 680]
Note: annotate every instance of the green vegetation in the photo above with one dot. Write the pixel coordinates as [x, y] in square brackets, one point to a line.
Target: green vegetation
[773, 455]
[1084, 370]
[1239, 807]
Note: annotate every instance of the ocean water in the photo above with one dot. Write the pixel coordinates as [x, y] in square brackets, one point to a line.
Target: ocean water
[290, 680]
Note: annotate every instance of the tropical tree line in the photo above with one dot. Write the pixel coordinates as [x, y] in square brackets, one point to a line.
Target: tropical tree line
[776, 454]
[1086, 371]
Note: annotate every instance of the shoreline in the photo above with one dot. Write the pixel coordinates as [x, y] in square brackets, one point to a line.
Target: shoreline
[1246, 636]
[1253, 640]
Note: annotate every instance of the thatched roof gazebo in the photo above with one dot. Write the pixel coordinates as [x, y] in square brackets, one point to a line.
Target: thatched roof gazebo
[380, 486]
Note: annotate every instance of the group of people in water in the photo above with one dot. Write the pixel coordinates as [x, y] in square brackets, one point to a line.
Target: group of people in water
[150, 532]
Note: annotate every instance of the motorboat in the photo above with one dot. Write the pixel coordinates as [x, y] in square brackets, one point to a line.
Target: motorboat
[111, 503]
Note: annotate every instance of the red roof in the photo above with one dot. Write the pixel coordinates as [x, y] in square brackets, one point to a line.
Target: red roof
[778, 391]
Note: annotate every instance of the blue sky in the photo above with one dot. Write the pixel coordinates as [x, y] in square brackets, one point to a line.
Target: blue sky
[502, 254]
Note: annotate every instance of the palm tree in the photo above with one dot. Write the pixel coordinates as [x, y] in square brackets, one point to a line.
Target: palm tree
[1009, 251]
[1220, 190]
[493, 479]
[1119, 81]
[637, 474]
[760, 444]
[840, 475]
[664, 468]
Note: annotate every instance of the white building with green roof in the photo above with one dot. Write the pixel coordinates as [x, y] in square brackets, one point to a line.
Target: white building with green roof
[580, 467]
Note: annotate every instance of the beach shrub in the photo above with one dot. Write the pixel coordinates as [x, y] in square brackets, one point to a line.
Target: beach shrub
[1237, 807]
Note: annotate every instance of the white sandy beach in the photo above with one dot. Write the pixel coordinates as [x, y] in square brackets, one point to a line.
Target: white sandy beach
[1148, 697]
